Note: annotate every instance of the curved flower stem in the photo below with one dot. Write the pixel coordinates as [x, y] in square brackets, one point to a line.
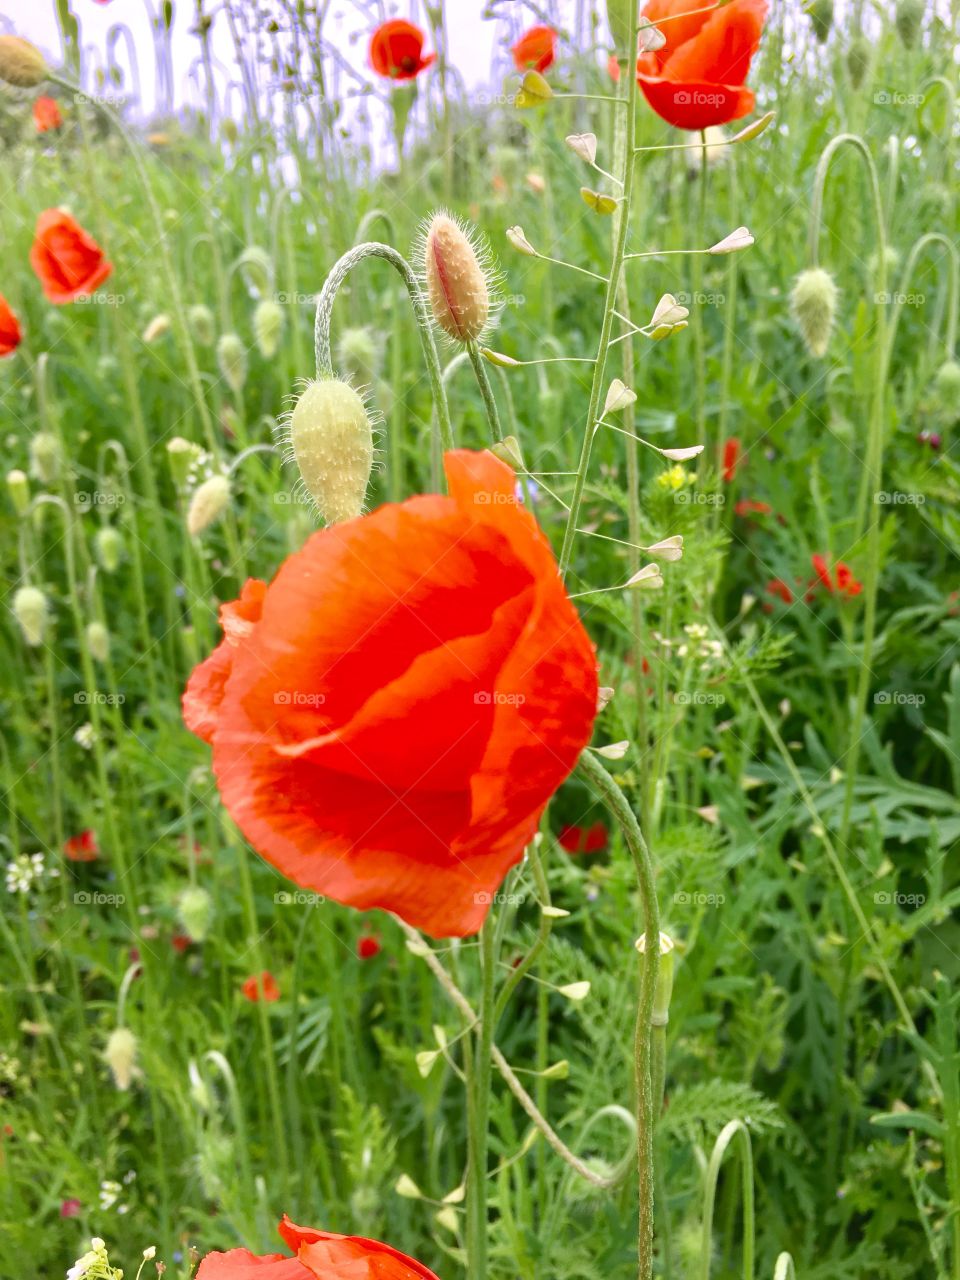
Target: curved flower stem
[735, 1130]
[625, 141]
[953, 291]
[596, 774]
[335, 278]
[486, 391]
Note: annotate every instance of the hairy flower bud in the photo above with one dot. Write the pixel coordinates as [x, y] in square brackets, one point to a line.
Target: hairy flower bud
[21, 63]
[267, 327]
[202, 325]
[30, 611]
[195, 909]
[98, 641]
[109, 548]
[456, 284]
[120, 1056]
[332, 443]
[814, 303]
[232, 359]
[45, 457]
[207, 504]
[18, 487]
[157, 327]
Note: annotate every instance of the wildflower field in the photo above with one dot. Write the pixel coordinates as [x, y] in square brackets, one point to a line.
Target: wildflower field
[481, 640]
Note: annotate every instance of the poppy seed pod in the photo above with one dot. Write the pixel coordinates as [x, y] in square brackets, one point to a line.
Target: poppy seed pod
[200, 320]
[120, 1056]
[45, 457]
[331, 441]
[30, 611]
[195, 909]
[207, 504]
[18, 487]
[232, 359]
[21, 63]
[267, 327]
[109, 548]
[813, 300]
[456, 282]
[98, 641]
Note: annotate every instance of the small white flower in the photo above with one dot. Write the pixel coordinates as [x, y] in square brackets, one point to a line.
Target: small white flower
[85, 736]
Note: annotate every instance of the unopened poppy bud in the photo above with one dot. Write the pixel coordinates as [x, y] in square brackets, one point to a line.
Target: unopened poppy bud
[358, 356]
[207, 504]
[821, 15]
[98, 641]
[45, 457]
[120, 1056]
[229, 129]
[947, 384]
[332, 444]
[109, 548]
[30, 611]
[18, 486]
[858, 59]
[21, 63]
[664, 988]
[907, 19]
[195, 909]
[201, 322]
[814, 303]
[257, 270]
[182, 454]
[267, 327]
[157, 327]
[456, 283]
[232, 359]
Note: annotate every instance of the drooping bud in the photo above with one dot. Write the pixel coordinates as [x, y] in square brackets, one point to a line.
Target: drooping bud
[195, 909]
[109, 548]
[183, 455]
[358, 355]
[120, 1056]
[21, 63]
[821, 15]
[332, 443]
[98, 641]
[201, 322]
[456, 283]
[157, 327]
[30, 611]
[232, 359]
[18, 486]
[814, 304]
[947, 385]
[45, 457]
[267, 327]
[858, 59]
[207, 504]
[908, 18]
[257, 270]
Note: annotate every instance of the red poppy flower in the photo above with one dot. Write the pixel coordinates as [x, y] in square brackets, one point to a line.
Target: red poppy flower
[66, 260]
[732, 458]
[82, 847]
[70, 1208]
[749, 507]
[583, 839]
[261, 987]
[777, 587]
[368, 946]
[181, 942]
[697, 78]
[396, 50]
[9, 329]
[416, 688]
[46, 114]
[845, 584]
[536, 49]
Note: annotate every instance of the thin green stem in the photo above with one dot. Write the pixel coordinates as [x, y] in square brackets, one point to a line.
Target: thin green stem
[486, 391]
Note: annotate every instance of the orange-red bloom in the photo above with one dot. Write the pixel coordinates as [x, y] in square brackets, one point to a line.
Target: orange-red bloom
[368, 946]
[82, 847]
[590, 839]
[261, 986]
[536, 49]
[778, 588]
[318, 1254]
[396, 50]
[697, 79]
[750, 507]
[844, 584]
[732, 458]
[66, 260]
[9, 329]
[390, 716]
[46, 114]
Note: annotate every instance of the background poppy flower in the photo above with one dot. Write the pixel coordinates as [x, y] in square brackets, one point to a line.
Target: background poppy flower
[443, 614]
[261, 986]
[697, 78]
[536, 49]
[46, 114]
[750, 507]
[845, 583]
[732, 457]
[590, 839]
[368, 946]
[82, 847]
[10, 335]
[396, 50]
[67, 261]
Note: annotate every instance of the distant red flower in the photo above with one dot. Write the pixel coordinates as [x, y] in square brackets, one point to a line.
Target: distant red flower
[261, 987]
[181, 942]
[613, 68]
[396, 50]
[9, 329]
[732, 458]
[749, 507]
[697, 78]
[777, 587]
[46, 114]
[536, 50]
[82, 847]
[583, 839]
[844, 583]
[442, 700]
[368, 946]
[70, 1208]
[66, 260]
